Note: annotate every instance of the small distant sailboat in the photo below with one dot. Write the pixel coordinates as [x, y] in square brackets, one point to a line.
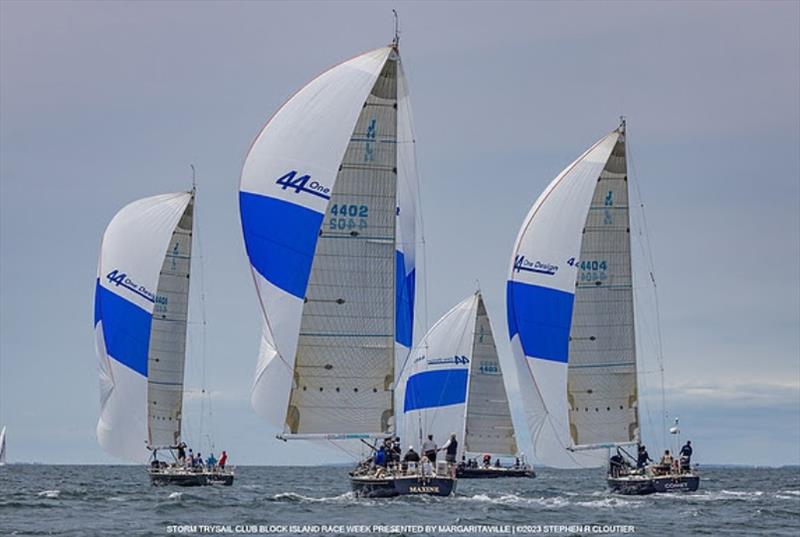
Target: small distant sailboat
[3, 447]
[141, 313]
[453, 384]
[327, 203]
[571, 321]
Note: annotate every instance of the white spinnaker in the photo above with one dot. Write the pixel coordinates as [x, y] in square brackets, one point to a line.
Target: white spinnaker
[489, 428]
[3, 446]
[131, 256]
[540, 294]
[167, 354]
[432, 394]
[602, 354]
[305, 140]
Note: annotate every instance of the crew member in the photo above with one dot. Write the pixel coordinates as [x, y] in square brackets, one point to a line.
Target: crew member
[641, 460]
[686, 456]
[615, 464]
[429, 449]
[450, 448]
[411, 455]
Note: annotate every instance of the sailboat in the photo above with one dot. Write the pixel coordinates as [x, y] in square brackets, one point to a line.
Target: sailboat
[3, 447]
[140, 316]
[327, 204]
[570, 307]
[453, 385]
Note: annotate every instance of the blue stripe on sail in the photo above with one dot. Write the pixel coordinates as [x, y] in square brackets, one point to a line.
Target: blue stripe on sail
[280, 238]
[126, 328]
[542, 317]
[431, 389]
[404, 303]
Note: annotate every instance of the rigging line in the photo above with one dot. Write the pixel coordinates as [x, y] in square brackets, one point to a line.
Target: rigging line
[337, 446]
[651, 268]
[206, 393]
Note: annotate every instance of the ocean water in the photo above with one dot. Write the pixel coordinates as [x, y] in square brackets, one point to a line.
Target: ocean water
[119, 500]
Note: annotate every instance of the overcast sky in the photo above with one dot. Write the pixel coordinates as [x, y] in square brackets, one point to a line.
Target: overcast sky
[104, 103]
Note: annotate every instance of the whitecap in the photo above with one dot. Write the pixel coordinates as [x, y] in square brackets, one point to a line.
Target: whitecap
[509, 499]
[610, 502]
[292, 496]
[175, 495]
[50, 493]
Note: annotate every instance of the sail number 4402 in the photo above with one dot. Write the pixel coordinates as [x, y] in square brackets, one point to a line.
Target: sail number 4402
[348, 217]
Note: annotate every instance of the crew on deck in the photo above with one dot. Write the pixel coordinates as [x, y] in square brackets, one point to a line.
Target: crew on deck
[643, 457]
[686, 456]
[616, 464]
[450, 448]
[429, 449]
[411, 455]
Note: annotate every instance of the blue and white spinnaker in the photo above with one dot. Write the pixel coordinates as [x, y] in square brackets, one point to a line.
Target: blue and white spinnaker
[570, 312]
[327, 207]
[453, 383]
[140, 314]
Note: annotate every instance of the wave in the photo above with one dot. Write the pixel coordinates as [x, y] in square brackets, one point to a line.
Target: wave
[294, 497]
[175, 495]
[555, 502]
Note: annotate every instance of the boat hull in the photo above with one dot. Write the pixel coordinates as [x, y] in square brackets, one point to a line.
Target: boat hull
[641, 485]
[493, 472]
[190, 479]
[387, 487]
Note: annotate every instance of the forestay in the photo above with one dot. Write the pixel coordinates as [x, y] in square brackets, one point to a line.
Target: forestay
[129, 285]
[540, 299]
[326, 202]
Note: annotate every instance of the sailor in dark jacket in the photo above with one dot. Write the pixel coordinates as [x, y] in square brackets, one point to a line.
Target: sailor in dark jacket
[686, 456]
[411, 455]
[451, 449]
[643, 457]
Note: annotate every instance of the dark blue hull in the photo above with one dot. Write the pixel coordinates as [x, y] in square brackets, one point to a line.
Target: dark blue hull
[641, 485]
[190, 479]
[493, 472]
[387, 487]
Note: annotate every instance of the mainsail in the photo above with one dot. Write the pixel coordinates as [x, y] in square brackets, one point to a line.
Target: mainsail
[453, 384]
[141, 306]
[3, 446]
[570, 312]
[327, 207]
[489, 428]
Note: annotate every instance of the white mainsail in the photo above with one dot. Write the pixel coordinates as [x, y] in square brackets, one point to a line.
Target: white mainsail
[570, 312]
[327, 207]
[141, 301]
[3, 446]
[453, 383]
[489, 428]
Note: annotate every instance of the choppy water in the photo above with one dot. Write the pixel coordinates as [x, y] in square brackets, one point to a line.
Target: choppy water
[119, 500]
